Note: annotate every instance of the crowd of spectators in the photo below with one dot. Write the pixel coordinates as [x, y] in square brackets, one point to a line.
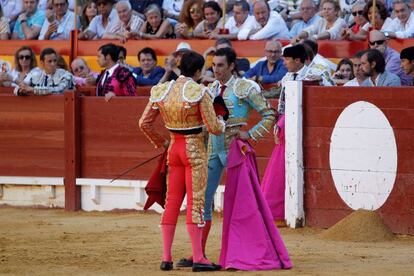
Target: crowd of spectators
[243, 19]
[303, 22]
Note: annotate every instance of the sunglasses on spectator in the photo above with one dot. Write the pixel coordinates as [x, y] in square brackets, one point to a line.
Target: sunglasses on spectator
[79, 69]
[378, 42]
[194, 10]
[355, 13]
[25, 57]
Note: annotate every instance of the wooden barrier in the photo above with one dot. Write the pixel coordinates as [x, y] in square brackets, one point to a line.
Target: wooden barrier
[324, 205]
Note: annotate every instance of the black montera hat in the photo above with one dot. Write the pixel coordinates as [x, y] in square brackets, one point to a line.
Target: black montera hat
[296, 51]
[407, 53]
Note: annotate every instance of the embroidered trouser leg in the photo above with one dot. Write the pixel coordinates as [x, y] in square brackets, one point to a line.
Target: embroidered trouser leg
[187, 173]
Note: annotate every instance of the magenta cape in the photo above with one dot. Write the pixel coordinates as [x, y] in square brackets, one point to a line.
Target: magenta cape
[250, 238]
[273, 183]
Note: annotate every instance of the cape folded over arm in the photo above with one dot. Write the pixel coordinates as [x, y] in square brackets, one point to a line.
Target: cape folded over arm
[250, 238]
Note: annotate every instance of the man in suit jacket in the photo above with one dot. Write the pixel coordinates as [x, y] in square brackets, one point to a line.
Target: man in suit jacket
[373, 67]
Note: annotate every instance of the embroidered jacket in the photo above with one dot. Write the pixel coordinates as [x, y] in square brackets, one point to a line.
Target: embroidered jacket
[121, 83]
[44, 84]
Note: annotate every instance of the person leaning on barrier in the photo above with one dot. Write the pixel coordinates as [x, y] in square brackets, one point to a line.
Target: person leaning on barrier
[49, 80]
[82, 74]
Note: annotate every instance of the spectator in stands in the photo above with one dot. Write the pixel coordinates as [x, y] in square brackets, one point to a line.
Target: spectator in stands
[172, 72]
[267, 24]
[309, 16]
[412, 4]
[242, 64]
[114, 80]
[60, 22]
[155, 27]
[105, 22]
[373, 67]
[329, 27]
[171, 9]
[407, 62]
[382, 21]
[30, 22]
[89, 11]
[272, 70]
[353, 32]
[140, 5]
[402, 26]
[190, 16]
[49, 80]
[4, 26]
[240, 19]
[377, 40]
[24, 62]
[212, 22]
[359, 75]
[148, 73]
[122, 55]
[11, 10]
[344, 72]
[82, 74]
[128, 25]
[61, 63]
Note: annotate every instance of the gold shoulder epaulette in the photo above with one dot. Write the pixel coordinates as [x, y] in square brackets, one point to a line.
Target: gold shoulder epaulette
[193, 92]
[243, 87]
[160, 91]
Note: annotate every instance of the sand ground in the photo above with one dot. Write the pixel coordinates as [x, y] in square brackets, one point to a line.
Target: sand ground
[55, 242]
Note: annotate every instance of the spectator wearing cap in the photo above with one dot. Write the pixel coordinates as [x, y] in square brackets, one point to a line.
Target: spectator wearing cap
[172, 62]
[148, 74]
[407, 62]
[308, 12]
[105, 22]
[373, 67]
[82, 74]
[377, 40]
[271, 70]
[267, 24]
[402, 26]
[60, 22]
[329, 27]
[30, 22]
[128, 25]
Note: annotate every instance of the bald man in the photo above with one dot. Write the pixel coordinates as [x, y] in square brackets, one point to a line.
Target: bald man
[377, 40]
[268, 24]
[270, 70]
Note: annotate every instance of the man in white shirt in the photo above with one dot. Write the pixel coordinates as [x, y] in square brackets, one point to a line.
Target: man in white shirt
[268, 24]
[11, 9]
[402, 26]
[59, 25]
[128, 25]
[240, 19]
[359, 75]
[105, 22]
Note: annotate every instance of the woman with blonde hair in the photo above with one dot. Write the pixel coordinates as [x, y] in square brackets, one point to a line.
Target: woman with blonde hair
[24, 63]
